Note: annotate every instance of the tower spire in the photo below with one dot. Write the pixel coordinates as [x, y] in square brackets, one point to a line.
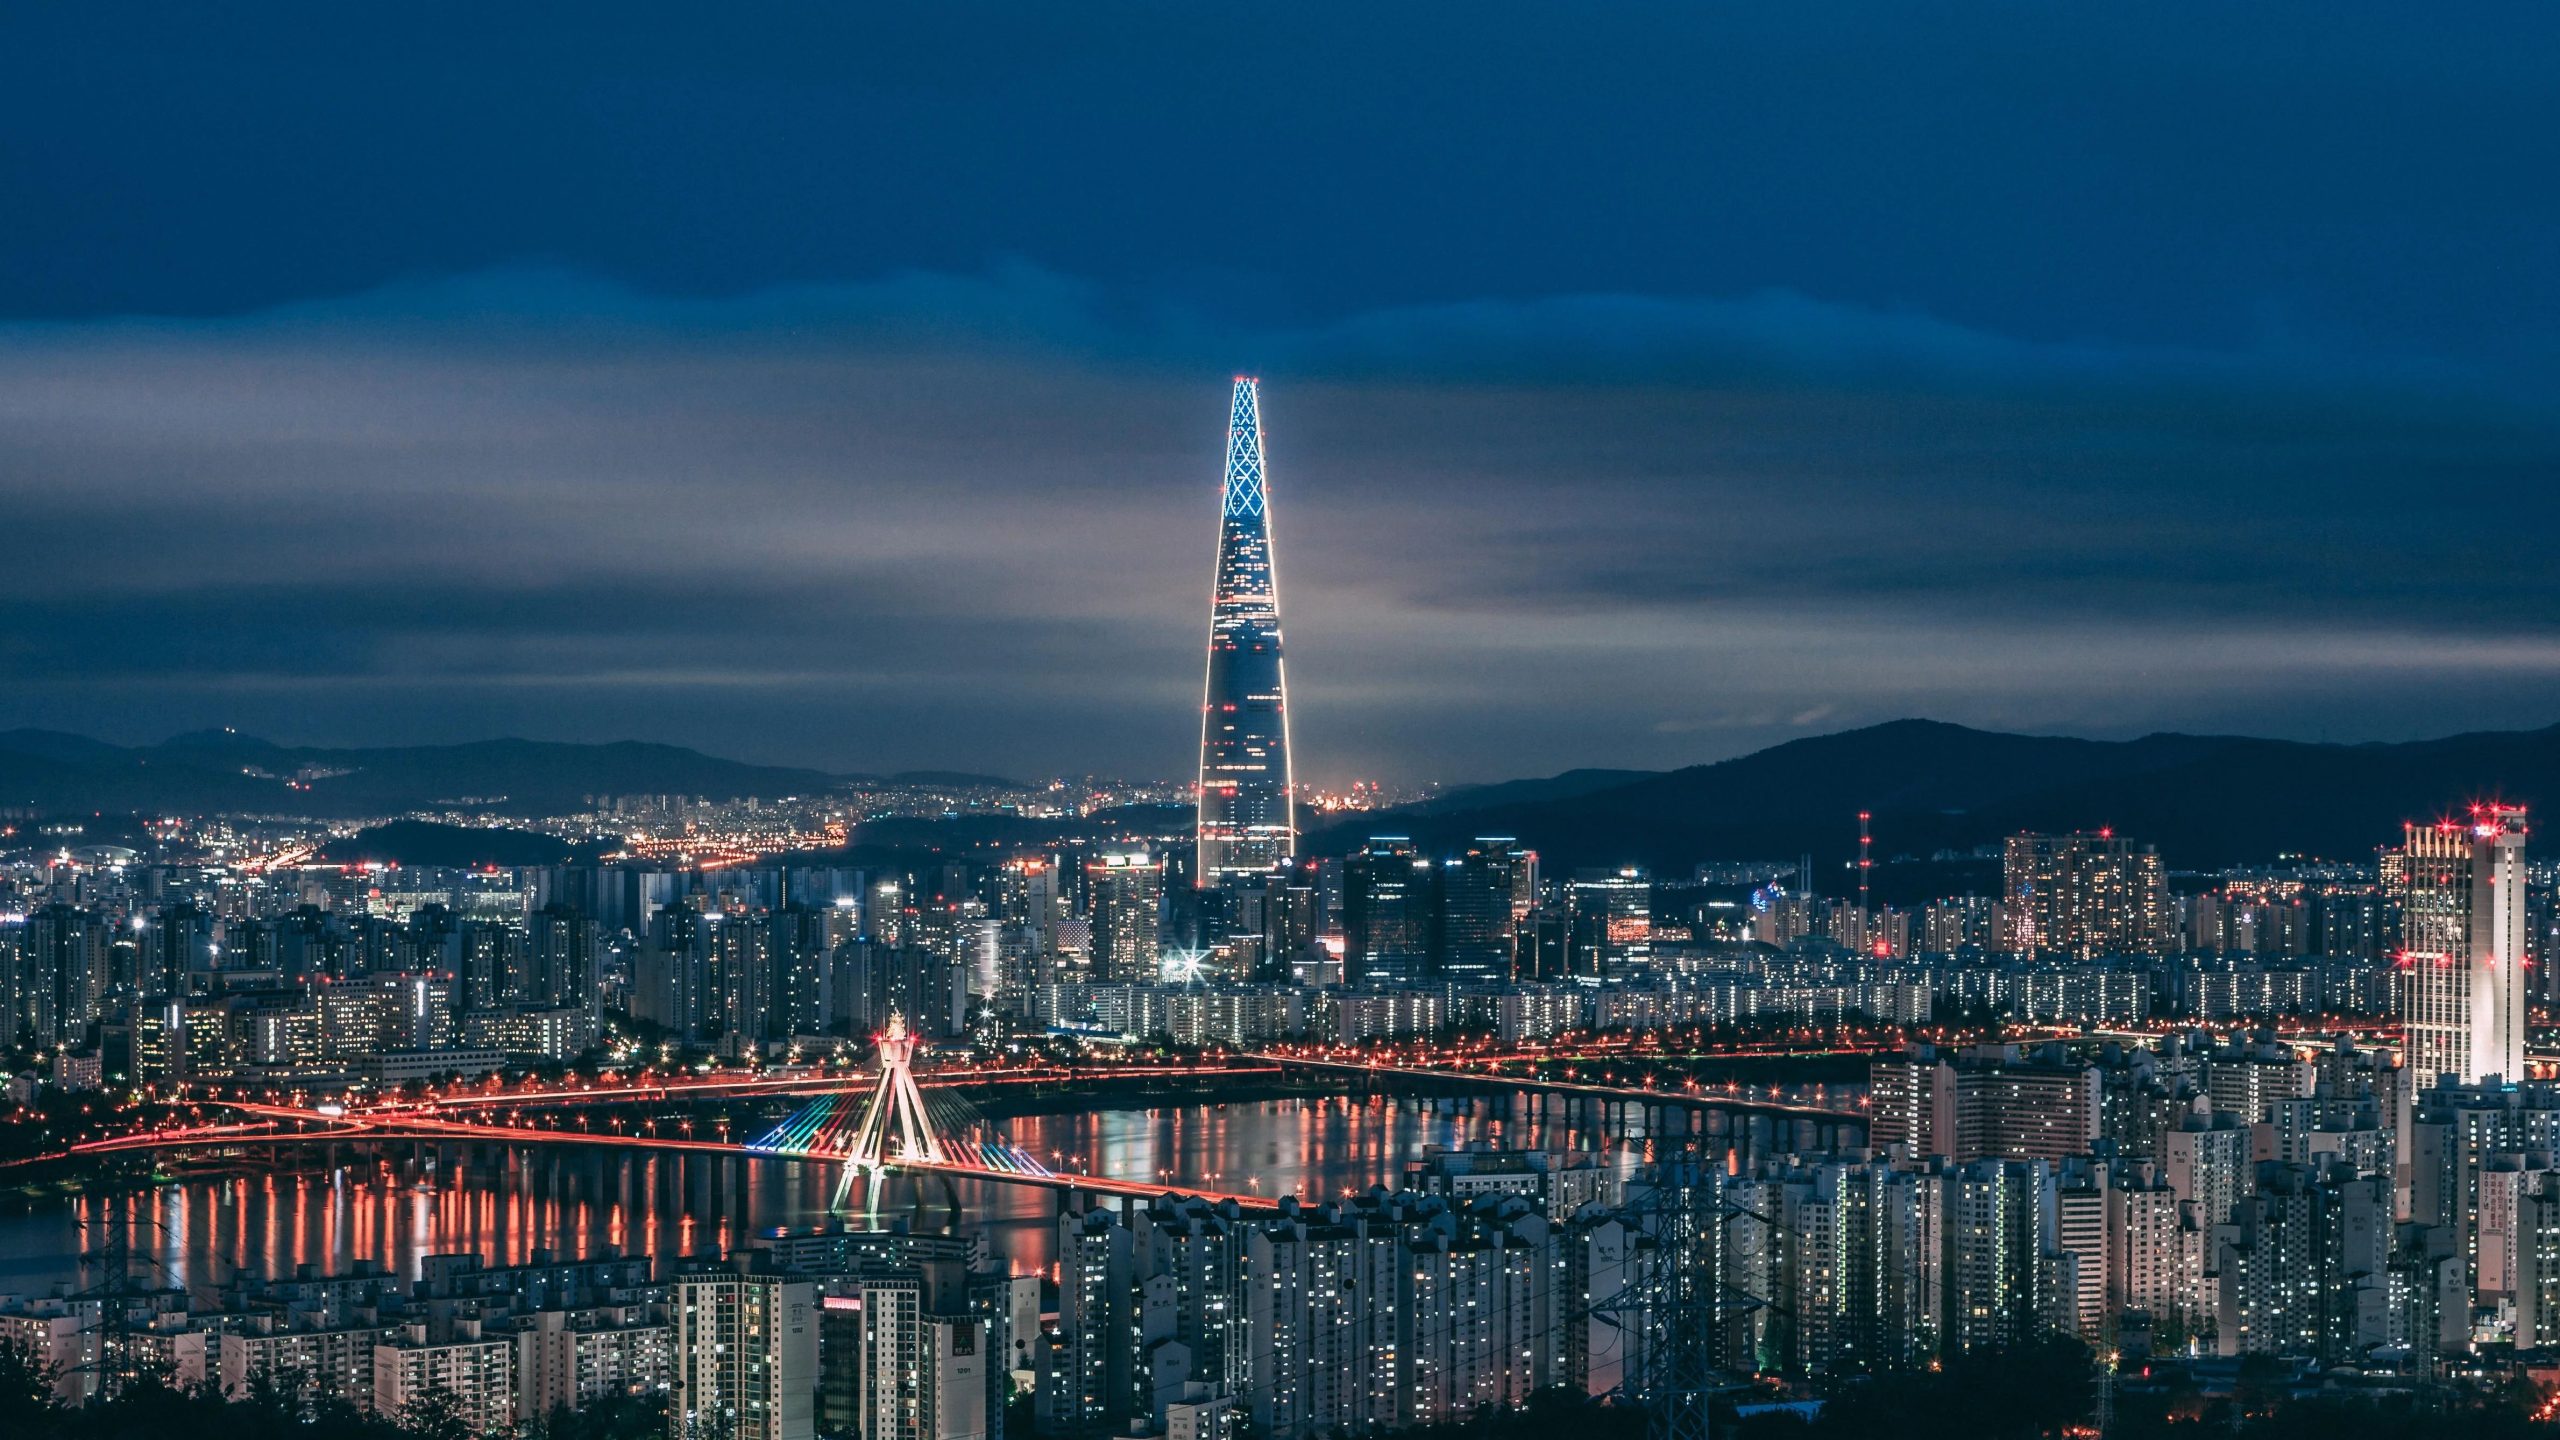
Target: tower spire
[1248, 812]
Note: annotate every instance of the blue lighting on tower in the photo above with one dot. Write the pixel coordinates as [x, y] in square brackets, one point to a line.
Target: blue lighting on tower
[1248, 816]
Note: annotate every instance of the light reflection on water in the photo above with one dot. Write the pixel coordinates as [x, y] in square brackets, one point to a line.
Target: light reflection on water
[504, 1205]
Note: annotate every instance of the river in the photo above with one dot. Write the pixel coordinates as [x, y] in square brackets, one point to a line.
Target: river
[506, 1205]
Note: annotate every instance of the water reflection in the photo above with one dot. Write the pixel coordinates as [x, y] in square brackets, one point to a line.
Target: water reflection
[505, 1205]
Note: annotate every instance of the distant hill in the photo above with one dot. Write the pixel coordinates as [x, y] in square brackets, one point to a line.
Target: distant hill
[218, 771]
[1521, 792]
[424, 842]
[2203, 799]
[956, 779]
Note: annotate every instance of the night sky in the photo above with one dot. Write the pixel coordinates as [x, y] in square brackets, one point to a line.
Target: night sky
[1644, 384]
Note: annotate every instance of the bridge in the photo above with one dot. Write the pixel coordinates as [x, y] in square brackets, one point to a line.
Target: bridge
[1691, 1097]
[533, 1095]
[892, 1132]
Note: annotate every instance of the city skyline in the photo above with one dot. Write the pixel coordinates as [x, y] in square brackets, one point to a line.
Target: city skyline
[1922, 657]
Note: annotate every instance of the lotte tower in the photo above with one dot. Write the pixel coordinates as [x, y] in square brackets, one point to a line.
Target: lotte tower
[1248, 809]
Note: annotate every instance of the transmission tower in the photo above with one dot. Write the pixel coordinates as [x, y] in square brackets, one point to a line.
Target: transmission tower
[107, 1263]
[1673, 1297]
[2105, 1418]
[1866, 866]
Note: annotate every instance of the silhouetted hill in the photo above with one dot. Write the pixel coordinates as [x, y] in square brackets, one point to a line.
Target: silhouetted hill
[54, 745]
[2203, 799]
[1521, 792]
[217, 771]
[956, 779]
[425, 842]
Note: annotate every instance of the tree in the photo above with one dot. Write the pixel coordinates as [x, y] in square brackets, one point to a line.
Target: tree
[435, 1413]
[27, 1405]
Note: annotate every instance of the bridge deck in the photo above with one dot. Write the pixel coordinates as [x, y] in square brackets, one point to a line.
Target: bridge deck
[312, 1129]
[1495, 1080]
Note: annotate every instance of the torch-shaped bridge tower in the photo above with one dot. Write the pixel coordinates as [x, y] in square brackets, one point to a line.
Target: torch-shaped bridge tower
[896, 1105]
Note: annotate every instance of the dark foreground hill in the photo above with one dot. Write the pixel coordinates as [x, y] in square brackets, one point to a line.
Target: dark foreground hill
[424, 842]
[2203, 799]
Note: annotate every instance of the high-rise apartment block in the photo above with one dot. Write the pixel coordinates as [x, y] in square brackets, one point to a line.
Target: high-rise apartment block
[746, 1356]
[473, 1372]
[1990, 1102]
[2085, 895]
[1127, 889]
[2462, 946]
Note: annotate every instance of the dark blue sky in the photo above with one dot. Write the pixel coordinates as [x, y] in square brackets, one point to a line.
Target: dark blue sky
[1646, 383]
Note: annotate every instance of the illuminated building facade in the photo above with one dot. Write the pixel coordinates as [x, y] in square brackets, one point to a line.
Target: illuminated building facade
[1612, 916]
[1127, 891]
[1387, 906]
[2086, 896]
[1483, 894]
[1248, 820]
[2463, 946]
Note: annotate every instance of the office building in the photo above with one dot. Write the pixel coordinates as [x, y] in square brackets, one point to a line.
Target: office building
[1483, 895]
[1388, 903]
[1611, 914]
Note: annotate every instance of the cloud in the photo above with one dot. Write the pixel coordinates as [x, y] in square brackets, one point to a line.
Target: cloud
[966, 520]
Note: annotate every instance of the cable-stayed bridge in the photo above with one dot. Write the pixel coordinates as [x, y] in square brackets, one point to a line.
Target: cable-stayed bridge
[905, 1124]
[893, 1130]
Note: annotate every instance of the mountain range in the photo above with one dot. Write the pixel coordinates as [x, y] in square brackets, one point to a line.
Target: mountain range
[220, 771]
[2205, 800]
[1931, 787]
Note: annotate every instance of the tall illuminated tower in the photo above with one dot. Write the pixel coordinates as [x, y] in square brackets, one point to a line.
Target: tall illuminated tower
[2463, 944]
[1248, 807]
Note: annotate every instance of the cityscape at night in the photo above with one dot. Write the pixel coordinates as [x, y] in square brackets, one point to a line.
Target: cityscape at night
[649, 789]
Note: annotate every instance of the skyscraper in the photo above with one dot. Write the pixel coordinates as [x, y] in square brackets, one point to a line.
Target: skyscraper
[1387, 904]
[1482, 896]
[2462, 942]
[1248, 819]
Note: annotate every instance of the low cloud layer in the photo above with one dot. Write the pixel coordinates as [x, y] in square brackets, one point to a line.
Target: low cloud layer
[967, 520]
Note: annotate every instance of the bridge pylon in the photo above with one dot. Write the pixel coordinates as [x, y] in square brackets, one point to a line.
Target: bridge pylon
[896, 1106]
